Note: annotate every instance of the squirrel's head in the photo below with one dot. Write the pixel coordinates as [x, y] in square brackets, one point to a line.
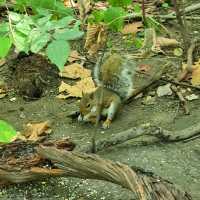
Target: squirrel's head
[87, 108]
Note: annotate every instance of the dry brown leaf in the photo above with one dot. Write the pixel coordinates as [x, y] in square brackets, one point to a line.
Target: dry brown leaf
[33, 131]
[132, 28]
[75, 71]
[85, 85]
[74, 56]
[95, 38]
[84, 7]
[100, 5]
[70, 4]
[166, 42]
[92, 30]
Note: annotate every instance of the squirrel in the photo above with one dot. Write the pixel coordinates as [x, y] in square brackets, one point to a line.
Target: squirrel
[115, 81]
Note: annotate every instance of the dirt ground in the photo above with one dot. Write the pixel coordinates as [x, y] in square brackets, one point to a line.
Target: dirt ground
[177, 162]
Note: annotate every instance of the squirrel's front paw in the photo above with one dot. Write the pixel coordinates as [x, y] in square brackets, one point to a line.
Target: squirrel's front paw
[106, 124]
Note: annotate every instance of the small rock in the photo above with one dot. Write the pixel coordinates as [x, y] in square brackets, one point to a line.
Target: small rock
[13, 99]
[192, 97]
[149, 100]
[164, 90]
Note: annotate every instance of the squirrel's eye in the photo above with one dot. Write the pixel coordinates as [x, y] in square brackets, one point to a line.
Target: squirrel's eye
[88, 105]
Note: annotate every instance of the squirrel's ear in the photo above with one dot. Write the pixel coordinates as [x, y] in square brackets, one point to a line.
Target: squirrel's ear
[91, 95]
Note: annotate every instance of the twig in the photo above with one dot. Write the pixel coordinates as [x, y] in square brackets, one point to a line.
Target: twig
[188, 68]
[141, 131]
[182, 24]
[182, 99]
[180, 83]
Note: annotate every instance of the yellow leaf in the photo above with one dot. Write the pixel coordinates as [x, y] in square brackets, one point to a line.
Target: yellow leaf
[74, 56]
[132, 28]
[33, 131]
[166, 42]
[196, 76]
[70, 4]
[85, 85]
[75, 71]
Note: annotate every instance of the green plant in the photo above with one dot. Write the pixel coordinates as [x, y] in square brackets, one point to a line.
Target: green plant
[7, 132]
[120, 3]
[40, 34]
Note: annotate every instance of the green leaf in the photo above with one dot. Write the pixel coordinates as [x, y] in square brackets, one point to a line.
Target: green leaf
[114, 18]
[38, 40]
[43, 20]
[62, 11]
[23, 27]
[68, 34]
[20, 41]
[165, 5]
[97, 16]
[138, 43]
[2, 2]
[137, 8]
[64, 22]
[58, 52]
[4, 29]
[5, 46]
[7, 132]
[20, 5]
[15, 18]
[48, 4]
[119, 3]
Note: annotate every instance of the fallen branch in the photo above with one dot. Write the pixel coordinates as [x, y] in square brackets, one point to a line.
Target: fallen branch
[188, 68]
[141, 131]
[182, 99]
[145, 185]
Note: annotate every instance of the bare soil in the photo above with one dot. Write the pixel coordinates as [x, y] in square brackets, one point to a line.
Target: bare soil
[177, 162]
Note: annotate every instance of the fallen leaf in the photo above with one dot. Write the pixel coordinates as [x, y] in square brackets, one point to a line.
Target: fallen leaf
[95, 38]
[70, 4]
[85, 85]
[196, 76]
[74, 56]
[34, 131]
[75, 71]
[132, 28]
[101, 5]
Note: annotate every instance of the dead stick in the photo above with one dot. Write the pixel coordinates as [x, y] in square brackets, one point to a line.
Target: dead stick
[180, 83]
[182, 24]
[182, 99]
[188, 69]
